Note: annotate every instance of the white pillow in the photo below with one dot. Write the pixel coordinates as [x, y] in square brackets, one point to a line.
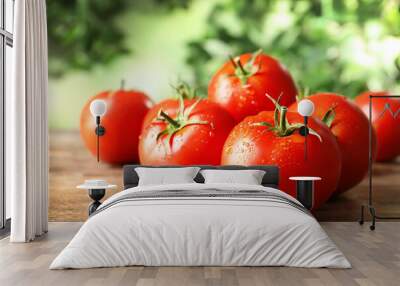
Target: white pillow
[165, 176]
[248, 177]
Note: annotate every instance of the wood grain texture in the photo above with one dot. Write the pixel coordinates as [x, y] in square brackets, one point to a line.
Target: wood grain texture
[71, 164]
[375, 257]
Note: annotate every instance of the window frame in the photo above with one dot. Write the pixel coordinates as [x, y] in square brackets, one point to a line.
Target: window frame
[6, 39]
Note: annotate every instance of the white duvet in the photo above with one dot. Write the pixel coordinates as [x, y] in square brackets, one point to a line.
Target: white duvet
[200, 231]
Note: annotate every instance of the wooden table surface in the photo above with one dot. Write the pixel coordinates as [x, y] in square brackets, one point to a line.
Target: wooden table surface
[71, 164]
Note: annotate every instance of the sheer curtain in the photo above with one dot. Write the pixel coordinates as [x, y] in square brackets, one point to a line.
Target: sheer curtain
[26, 124]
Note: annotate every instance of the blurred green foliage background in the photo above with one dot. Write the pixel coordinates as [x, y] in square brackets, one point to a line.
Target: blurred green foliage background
[344, 46]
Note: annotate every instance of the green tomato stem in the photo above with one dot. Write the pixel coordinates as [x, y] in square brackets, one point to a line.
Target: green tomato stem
[233, 61]
[242, 70]
[282, 120]
[281, 127]
[169, 119]
[181, 120]
[184, 91]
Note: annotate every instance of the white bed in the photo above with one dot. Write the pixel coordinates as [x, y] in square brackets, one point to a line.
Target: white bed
[248, 226]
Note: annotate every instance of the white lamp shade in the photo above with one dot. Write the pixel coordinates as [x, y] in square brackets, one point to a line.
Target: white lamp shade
[98, 107]
[305, 107]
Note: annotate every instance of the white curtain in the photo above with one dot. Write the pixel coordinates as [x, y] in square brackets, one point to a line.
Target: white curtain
[26, 124]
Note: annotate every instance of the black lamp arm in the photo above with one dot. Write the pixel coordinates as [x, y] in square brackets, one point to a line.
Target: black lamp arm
[304, 131]
[306, 124]
[100, 131]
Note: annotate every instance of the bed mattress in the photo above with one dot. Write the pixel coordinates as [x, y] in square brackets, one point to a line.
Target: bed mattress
[201, 225]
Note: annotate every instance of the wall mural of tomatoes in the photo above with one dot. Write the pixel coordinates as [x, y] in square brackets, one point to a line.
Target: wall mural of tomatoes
[249, 118]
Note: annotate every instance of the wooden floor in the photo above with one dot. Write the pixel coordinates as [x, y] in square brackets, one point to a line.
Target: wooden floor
[375, 257]
[71, 163]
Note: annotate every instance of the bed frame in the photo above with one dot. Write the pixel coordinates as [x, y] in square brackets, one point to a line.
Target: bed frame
[270, 179]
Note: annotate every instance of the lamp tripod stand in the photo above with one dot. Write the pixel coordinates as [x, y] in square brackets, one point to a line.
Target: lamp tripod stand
[370, 204]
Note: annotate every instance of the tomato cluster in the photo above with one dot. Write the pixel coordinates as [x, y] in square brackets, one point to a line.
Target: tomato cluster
[249, 118]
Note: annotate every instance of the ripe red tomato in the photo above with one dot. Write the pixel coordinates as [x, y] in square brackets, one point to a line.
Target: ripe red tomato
[193, 135]
[386, 126]
[123, 121]
[351, 129]
[251, 143]
[240, 85]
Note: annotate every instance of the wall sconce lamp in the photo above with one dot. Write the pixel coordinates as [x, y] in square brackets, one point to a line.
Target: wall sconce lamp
[98, 108]
[305, 108]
